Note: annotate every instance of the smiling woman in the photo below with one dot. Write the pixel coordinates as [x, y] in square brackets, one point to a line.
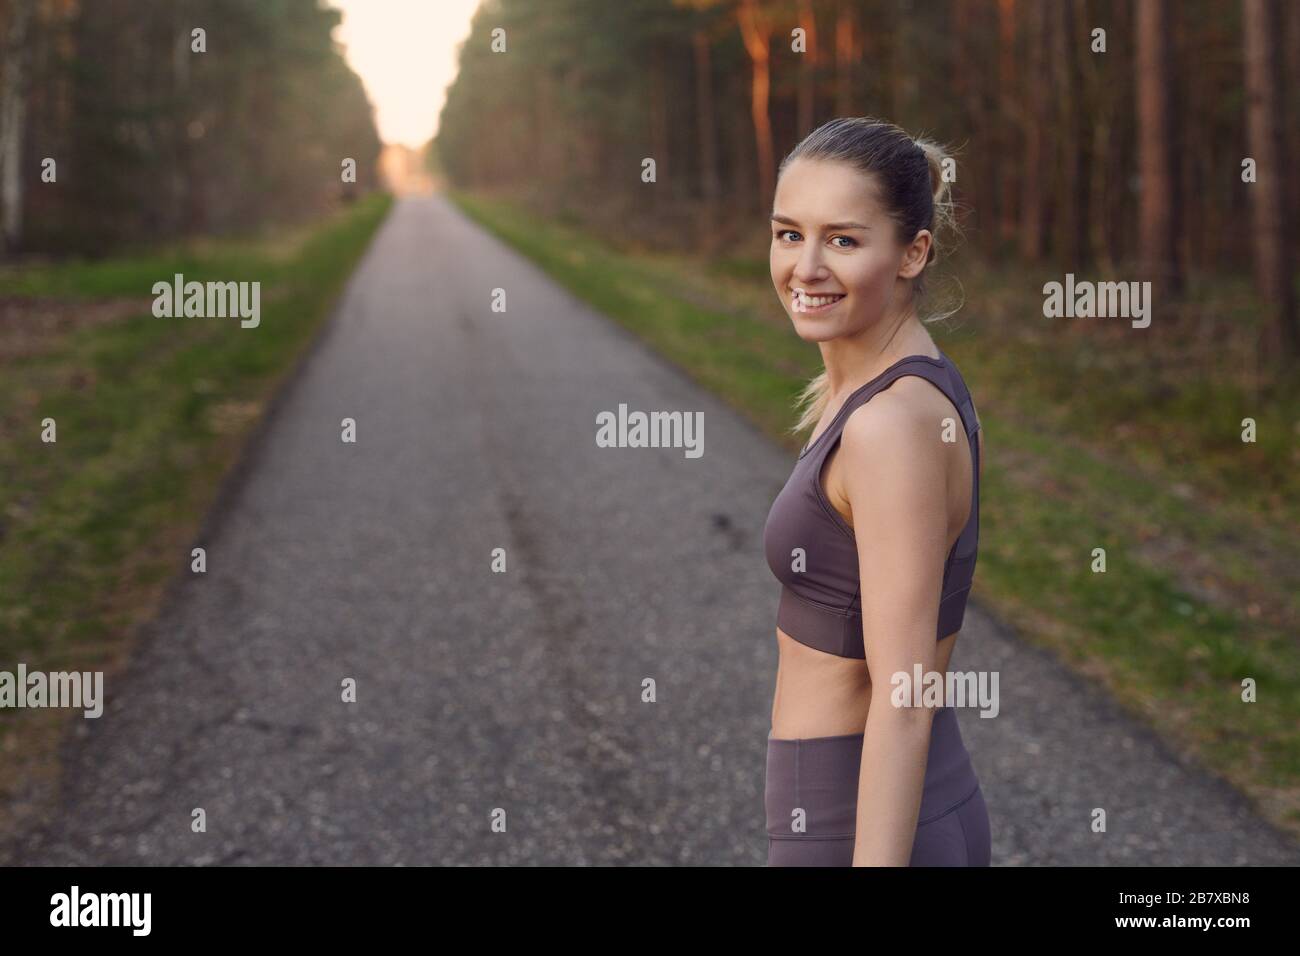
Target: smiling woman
[874, 535]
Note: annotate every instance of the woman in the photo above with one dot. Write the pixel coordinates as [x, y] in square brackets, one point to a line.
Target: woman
[874, 536]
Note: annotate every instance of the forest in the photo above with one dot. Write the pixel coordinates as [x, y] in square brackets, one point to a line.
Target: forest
[1127, 139]
[139, 121]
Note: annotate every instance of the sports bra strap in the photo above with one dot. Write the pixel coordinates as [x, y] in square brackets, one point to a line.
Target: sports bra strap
[940, 376]
[949, 382]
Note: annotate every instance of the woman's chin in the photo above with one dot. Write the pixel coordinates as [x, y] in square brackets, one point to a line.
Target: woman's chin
[813, 329]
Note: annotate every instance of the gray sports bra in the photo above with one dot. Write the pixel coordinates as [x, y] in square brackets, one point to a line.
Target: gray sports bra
[821, 606]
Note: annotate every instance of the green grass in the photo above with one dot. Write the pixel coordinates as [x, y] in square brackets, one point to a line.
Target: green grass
[150, 414]
[1095, 439]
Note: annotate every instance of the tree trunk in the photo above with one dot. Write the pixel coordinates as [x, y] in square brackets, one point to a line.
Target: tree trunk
[1077, 159]
[847, 53]
[660, 145]
[1291, 108]
[808, 71]
[876, 53]
[13, 121]
[1008, 102]
[973, 174]
[756, 34]
[1157, 225]
[1273, 237]
[1031, 207]
[708, 140]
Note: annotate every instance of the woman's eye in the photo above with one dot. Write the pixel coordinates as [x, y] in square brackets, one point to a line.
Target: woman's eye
[852, 242]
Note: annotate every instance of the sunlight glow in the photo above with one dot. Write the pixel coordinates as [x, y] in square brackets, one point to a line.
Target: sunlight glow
[405, 52]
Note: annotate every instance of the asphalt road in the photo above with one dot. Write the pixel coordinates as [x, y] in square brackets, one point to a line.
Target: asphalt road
[521, 692]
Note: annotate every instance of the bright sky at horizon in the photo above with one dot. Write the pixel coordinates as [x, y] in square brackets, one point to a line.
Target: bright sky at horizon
[405, 52]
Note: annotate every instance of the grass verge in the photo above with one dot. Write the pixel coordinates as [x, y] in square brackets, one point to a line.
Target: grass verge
[150, 414]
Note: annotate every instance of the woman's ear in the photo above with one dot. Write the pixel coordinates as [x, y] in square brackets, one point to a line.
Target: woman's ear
[915, 256]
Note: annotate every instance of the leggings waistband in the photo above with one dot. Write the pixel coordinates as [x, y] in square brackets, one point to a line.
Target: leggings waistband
[819, 775]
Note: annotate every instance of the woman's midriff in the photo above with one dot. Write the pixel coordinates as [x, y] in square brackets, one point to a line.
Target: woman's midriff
[825, 695]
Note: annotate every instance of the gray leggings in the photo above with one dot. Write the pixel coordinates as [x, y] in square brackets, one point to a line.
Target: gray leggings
[820, 776]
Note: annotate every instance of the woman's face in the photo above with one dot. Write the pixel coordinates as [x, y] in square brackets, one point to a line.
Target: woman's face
[831, 237]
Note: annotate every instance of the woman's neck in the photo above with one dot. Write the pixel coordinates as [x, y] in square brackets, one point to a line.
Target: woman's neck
[852, 361]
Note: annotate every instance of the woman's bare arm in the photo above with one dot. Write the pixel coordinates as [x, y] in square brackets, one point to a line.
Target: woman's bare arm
[894, 478]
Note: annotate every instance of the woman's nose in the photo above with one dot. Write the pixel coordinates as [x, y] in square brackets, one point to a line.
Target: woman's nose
[808, 266]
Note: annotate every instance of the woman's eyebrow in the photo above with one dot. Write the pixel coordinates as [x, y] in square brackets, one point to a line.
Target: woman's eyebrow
[786, 220]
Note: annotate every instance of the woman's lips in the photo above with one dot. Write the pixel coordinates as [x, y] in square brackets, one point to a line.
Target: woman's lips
[800, 302]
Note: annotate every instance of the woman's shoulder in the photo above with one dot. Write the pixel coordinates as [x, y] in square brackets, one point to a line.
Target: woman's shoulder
[908, 401]
[902, 420]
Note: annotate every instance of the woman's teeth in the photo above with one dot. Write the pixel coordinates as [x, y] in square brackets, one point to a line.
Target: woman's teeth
[803, 302]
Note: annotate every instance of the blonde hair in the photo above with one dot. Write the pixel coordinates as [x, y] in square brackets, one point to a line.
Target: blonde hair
[913, 190]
